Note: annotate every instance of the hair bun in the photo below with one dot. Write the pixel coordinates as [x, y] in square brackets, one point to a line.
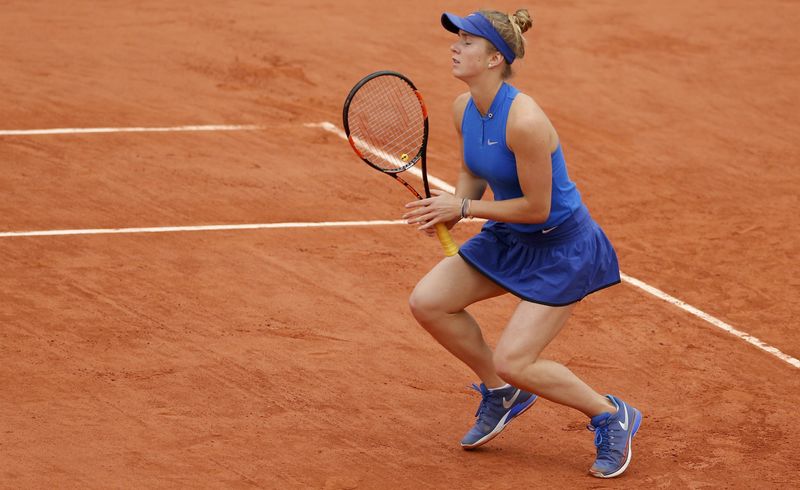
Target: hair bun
[523, 19]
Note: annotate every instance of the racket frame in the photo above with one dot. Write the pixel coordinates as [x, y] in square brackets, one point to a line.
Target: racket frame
[421, 155]
[449, 246]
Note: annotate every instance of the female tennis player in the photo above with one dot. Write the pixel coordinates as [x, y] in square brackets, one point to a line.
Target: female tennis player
[539, 243]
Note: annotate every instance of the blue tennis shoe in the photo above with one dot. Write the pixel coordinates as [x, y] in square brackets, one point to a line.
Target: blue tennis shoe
[613, 437]
[498, 407]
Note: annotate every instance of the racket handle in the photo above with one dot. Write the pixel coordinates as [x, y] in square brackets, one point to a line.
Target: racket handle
[449, 246]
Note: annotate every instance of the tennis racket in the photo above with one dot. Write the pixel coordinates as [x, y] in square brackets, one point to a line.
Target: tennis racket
[386, 122]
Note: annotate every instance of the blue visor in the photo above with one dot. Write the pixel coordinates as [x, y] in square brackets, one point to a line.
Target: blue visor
[478, 25]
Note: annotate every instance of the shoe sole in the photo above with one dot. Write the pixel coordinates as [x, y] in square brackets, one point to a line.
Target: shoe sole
[499, 427]
[636, 423]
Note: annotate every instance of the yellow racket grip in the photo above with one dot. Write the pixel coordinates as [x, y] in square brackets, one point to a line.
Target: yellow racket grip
[449, 246]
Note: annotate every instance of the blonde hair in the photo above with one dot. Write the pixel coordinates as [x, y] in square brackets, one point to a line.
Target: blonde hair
[510, 27]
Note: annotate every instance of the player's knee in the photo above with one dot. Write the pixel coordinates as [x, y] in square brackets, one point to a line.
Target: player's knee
[508, 370]
[424, 307]
[511, 368]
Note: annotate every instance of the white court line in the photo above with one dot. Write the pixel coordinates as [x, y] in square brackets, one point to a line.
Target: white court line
[331, 224]
[213, 127]
[172, 229]
[327, 126]
[710, 319]
[330, 127]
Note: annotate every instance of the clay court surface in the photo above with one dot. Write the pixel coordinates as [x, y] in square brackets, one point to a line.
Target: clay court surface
[287, 357]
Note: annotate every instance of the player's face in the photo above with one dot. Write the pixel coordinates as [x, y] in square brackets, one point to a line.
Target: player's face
[470, 55]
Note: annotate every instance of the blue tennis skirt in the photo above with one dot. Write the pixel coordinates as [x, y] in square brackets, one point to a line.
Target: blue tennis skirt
[556, 268]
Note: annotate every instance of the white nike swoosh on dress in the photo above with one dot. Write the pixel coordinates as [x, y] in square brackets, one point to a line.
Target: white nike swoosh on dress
[507, 404]
[549, 229]
[490, 142]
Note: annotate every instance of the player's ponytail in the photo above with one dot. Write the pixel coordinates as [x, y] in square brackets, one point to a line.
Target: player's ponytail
[511, 27]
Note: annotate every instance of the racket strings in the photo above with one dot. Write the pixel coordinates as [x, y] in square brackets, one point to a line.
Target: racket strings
[410, 113]
[386, 134]
[386, 123]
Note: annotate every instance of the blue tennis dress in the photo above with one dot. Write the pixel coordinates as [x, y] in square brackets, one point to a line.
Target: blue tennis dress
[554, 263]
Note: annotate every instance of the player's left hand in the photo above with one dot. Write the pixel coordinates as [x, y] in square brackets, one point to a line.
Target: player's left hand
[441, 207]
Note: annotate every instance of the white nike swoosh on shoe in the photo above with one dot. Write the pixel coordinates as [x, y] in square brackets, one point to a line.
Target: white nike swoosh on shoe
[625, 425]
[507, 404]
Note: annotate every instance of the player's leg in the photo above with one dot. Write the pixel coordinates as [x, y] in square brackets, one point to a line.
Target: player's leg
[530, 330]
[438, 304]
[517, 360]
